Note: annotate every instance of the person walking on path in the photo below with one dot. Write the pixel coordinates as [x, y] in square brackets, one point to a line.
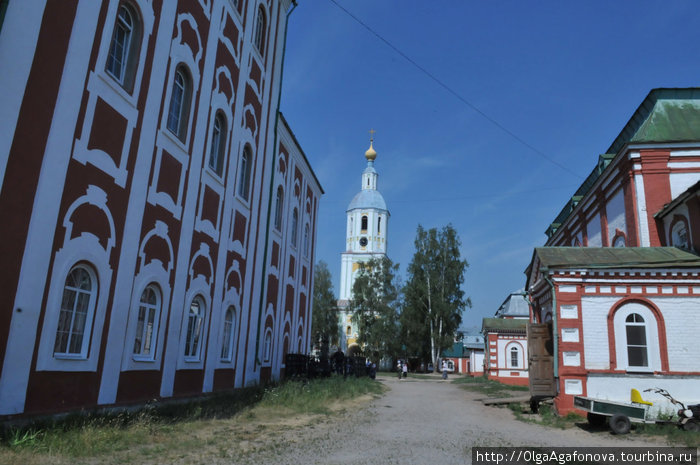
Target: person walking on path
[399, 369]
[405, 370]
[444, 369]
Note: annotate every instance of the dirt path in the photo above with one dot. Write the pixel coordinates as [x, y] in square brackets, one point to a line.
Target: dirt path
[430, 422]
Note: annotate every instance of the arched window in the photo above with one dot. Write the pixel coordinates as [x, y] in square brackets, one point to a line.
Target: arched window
[195, 328]
[179, 110]
[147, 323]
[244, 174]
[348, 331]
[267, 346]
[229, 331]
[679, 232]
[260, 26]
[306, 240]
[364, 223]
[379, 225]
[635, 330]
[278, 209]
[124, 47]
[639, 337]
[218, 144]
[77, 311]
[295, 223]
[514, 357]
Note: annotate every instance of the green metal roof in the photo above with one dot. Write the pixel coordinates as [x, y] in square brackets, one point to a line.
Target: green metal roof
[503, 324]
[456, 351]
[665, 116]
[616, 257]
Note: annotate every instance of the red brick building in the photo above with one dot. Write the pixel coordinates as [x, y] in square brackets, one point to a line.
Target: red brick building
[159, 215]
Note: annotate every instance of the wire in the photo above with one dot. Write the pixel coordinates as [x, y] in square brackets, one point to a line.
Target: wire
[454, 93]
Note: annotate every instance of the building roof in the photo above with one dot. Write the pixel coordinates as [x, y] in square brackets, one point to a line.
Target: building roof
[515, 305]
[665, 116]
[456, 351]
[615, 257]
[368, 198]
[512, 325]
[473, 341]
[682, 197]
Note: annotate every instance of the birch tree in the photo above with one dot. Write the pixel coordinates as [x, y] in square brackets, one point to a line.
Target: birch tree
[375, 307]
[433, 296]
[325, 329]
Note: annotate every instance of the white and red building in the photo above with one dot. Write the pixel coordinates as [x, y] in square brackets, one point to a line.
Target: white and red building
[619, 306]
[159, 215]
[505, 339]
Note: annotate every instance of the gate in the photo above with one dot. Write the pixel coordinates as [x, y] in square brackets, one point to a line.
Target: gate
[540, 348]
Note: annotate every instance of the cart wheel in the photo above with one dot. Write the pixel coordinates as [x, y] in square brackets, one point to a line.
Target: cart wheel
[596, 420]
[620, 424]
[692, 426]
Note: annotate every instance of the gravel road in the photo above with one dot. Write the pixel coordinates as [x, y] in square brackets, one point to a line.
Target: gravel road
[425, 421]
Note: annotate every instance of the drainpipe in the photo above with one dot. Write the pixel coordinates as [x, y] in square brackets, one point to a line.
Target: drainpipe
[555, 331]
[272, 182]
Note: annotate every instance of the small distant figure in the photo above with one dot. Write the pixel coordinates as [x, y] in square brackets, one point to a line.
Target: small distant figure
[373, 370]
[404, 368]
[444, 369]
[399, 368]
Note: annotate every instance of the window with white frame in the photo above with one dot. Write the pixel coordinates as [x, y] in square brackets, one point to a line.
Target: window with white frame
[638, 346]
[179, 108]
[76, 314]
[295, 224]
[124, 47]
[278, 209]
[514, 357]
[260, 26]
[244, 173]
[635, 330]
[267, 346]
[218, 144]
[228, 333]
[306, 239]
[363, 225]
[195, 328]
[147, 323]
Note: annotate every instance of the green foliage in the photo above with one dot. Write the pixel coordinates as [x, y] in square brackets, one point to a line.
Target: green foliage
[325, 329]
[375, 308]
[433, 296]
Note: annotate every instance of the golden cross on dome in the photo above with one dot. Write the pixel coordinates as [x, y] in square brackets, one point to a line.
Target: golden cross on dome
[371, 135]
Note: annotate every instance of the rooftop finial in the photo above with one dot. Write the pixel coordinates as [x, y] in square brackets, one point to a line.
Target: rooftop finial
[371, 154]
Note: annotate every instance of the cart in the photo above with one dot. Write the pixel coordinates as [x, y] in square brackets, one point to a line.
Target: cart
[619, 415]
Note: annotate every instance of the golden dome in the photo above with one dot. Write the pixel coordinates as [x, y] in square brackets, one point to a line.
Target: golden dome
[370, 154]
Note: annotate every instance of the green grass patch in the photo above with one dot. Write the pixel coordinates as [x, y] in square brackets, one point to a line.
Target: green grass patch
[316, 396]
[671, 432]
[546, 416]
[171, 425]
[487, 386]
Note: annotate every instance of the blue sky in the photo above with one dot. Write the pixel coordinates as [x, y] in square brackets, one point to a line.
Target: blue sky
[562, 76]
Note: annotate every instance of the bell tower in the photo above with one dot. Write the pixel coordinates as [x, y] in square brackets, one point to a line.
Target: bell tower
[366, 233]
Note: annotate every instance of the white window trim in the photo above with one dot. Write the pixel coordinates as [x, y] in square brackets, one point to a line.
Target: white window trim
[152, 273]
[199, 287]
[651, 329]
